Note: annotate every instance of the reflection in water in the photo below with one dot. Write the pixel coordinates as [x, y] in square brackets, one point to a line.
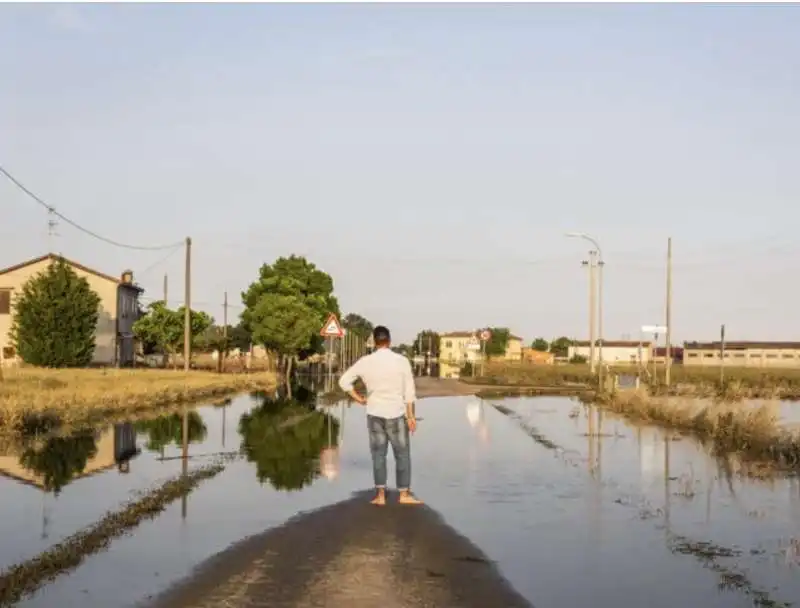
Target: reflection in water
[60, 460]
[168, 430]
[284, 440]
[51, 464]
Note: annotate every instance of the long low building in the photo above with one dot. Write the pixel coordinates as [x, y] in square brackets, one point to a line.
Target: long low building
[742, 354]
[615, 352]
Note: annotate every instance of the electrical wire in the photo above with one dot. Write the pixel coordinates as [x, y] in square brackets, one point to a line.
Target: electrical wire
[159, 261]
[74, 224]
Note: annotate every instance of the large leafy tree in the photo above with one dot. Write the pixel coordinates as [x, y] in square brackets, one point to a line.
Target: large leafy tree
[497, 344]
[357, 325]
[297, 292]
[164, 327]
[55, 318]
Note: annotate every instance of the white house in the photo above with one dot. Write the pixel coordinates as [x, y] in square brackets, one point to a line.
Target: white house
[615, 352]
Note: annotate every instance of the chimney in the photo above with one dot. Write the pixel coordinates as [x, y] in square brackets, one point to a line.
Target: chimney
[127, 277]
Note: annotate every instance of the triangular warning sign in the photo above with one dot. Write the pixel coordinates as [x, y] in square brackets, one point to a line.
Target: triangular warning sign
[332, 329]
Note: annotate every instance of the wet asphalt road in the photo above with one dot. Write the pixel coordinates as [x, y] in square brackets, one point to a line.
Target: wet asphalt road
[350, 554]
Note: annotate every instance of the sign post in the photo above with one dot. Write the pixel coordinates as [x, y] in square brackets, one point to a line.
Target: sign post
[655, 330]
[330, 331]
[486, 335]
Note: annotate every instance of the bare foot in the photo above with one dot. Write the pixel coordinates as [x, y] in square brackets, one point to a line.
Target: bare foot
[408, 499]
[379, 500]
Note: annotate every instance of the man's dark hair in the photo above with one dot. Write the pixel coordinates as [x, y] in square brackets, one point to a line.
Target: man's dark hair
[381, 335]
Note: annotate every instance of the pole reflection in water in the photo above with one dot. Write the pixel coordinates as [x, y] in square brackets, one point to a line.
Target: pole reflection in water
[184, 455]
[666, 482]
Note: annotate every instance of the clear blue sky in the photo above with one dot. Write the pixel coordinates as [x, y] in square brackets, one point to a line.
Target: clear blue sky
[430, 157]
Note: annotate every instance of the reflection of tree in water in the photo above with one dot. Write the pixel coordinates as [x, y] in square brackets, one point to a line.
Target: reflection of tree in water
[60, 460]
[284, 440]
[166, 430]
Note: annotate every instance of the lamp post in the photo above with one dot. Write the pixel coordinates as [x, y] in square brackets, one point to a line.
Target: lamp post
[600, 264]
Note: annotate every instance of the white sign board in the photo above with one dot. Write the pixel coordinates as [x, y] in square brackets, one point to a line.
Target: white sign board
[370, 342]
[654, 329]
[473, 345]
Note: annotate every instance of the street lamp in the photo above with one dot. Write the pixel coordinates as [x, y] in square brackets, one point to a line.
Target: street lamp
[600, 263]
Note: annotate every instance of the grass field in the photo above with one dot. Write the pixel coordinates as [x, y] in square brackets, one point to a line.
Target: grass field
[44, 399]
[739, 381]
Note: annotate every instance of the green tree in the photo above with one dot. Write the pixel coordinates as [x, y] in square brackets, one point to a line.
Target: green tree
[284, 325]
[60, 459]
[357, 325]
[560, 346]
[497, 344]
[241, 337]
[284, 440]
[164, 328]
[426, 340]
[540, 344]
[55, 318]
[301, 294]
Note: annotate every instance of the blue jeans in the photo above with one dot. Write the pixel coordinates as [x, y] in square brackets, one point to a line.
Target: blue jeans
[382, 432]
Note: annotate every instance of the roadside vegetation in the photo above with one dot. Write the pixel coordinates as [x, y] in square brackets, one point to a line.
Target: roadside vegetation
[42, 400]
[738, 383]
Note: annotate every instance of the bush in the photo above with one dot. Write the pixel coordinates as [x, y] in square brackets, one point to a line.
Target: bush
[55, 318]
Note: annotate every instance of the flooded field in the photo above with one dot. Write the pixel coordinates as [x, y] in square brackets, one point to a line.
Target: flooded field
[575, 507]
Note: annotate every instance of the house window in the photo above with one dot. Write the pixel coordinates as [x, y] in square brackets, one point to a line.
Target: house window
[787, 356]
[692, 355]
[9, 352]
[739, 355]
[709, 355]
[770, 356]
[5, 301]
[448, 344]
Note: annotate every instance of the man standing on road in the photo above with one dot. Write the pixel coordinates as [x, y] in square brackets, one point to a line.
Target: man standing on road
[390, 411]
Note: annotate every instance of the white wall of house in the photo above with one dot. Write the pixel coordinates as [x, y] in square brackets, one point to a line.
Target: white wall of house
[614, 355]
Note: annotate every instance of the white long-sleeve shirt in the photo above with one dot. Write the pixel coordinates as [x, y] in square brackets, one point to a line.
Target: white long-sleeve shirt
[389, 381]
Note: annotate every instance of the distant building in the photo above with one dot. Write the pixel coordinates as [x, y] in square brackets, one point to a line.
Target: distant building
[660, 354]
[119, 308]
[615, 352]
[742, 354]
[537, 357]
[460, 347]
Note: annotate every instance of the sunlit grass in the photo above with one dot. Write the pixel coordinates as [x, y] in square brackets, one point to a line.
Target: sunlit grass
[752, 428]
[44, 399]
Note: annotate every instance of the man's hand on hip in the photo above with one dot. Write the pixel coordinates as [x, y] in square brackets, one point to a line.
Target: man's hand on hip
[412, 424]
[358, 398]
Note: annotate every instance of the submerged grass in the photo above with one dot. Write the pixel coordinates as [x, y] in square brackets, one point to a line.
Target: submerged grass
[26, 577]
[40, 400]
[752, 430]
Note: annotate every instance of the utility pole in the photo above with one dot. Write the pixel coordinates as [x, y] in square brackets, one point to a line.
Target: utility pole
[187, 318]
[668, 351]
[600, 370]
[225, 315]
[165, 289]
[722, 355]
[592, 307]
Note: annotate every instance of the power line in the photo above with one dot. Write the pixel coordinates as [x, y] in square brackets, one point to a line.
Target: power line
[91, 233]
[159, 261]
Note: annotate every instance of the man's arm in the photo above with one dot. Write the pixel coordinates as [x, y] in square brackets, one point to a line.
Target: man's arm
[347, 380]
[409, 391]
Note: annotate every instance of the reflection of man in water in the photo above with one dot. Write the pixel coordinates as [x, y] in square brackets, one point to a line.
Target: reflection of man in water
[390, 411]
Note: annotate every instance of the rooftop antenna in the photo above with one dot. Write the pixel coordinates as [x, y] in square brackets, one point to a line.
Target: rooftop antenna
[52, 224]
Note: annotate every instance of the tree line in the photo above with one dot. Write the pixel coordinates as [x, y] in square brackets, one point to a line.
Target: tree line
[56, 314]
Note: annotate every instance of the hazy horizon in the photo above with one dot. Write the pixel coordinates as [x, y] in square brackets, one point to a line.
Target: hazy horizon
[429, 157]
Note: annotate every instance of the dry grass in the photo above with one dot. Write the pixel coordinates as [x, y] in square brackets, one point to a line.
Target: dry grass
[751, 429]
[41, 400]
[740, 382]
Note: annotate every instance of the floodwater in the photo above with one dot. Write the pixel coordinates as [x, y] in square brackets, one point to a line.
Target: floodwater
[576, 508]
